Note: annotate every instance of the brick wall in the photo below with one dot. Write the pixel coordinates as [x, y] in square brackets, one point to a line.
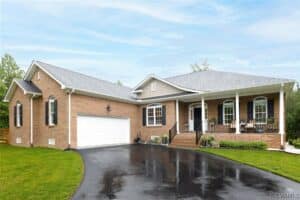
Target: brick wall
[22, 132]
[147, 132]
[96, 106]
[43, 132]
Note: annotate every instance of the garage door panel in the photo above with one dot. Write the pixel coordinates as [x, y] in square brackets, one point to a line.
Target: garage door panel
[100, 131]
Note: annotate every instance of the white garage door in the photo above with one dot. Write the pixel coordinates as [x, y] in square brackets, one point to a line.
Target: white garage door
[101, 131]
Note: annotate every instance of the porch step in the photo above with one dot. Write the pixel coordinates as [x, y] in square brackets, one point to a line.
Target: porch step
[187, 140]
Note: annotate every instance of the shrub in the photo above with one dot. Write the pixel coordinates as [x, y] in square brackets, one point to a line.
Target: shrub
[165, 139]
[243, 145]
[206, 141]
[296, 143]
[155, 140]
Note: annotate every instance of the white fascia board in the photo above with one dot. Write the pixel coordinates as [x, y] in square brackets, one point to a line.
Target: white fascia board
[32, 69]
[6, 97]
[152, 76]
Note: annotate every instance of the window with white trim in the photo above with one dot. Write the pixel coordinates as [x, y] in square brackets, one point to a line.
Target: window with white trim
[51, 112]
[260, 110]
[154, 115]
[228, 112]
[18, 115]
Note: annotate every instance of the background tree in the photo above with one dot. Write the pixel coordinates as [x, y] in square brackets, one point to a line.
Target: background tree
[293, 114]
[119, 83]
[8, 71]
[204, 66]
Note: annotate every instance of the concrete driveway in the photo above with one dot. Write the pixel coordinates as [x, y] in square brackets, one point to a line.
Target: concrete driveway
[154, 172]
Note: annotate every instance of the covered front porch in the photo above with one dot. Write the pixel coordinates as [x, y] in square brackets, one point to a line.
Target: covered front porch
[255, 113]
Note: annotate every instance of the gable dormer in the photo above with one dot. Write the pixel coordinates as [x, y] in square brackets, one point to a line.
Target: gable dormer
[153, 86]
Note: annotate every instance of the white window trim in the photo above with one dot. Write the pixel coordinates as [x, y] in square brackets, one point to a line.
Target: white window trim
[18, 115]
[154, 107]
[228, 102]
[257, 100]
[50, 118]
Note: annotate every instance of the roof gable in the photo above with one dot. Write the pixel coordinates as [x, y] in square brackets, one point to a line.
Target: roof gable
[80, 82]
[152, 76]
[27, 86]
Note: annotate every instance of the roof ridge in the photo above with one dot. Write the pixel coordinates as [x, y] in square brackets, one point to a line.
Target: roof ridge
[235, 73]
[80, 73]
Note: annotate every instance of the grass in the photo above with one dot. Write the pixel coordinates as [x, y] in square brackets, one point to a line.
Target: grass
[38, 173]
[280, 163]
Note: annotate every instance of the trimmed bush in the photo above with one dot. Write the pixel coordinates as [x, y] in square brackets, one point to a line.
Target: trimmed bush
[206, 141]
[243, 145]
[296, 143]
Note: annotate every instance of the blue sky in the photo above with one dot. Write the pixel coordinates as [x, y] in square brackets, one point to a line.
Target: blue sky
[127, 40]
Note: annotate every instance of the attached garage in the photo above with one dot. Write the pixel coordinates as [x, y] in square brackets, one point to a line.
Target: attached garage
[95, 131]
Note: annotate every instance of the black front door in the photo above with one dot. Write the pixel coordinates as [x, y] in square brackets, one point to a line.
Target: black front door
[197, 119]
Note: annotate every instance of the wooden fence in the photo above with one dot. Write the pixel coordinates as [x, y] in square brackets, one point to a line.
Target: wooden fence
[4, 135]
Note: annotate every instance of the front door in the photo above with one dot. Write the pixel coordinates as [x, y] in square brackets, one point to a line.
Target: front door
[197, 119]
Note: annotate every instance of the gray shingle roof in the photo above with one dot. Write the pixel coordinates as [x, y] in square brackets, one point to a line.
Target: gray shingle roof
[213, 81]
[80, 81]
[28, 86]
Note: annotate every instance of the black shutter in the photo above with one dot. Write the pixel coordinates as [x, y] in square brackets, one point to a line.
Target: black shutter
[15, 115]
[163, 115]
[55, 112]
[220, 114]
[21, 115]
[46, 113]
[250, 110]
[271, 108]
[144, 116]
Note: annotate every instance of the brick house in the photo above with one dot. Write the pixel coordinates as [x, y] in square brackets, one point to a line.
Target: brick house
[56, 107]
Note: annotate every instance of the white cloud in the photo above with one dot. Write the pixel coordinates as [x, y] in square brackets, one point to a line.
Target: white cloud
[138, 41]
[46, 48]
[278, 29]
[169, 11]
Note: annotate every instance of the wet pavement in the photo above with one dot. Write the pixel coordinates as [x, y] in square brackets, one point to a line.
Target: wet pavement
[154, 172]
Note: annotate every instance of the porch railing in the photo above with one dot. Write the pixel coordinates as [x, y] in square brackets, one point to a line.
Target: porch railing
[251, 126]
[198, 136]
[172, 133]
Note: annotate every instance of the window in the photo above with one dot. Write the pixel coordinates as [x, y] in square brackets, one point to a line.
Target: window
[52, 112]
[154, 115]
[260, 110]
[153, 86]
[228, 112]
[18, 114]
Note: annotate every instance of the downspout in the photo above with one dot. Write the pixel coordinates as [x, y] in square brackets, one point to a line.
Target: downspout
[31, 121]
[69, 116]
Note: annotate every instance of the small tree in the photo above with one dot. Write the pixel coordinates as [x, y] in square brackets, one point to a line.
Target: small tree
[8, 71]
[200, 67]
[119, 83]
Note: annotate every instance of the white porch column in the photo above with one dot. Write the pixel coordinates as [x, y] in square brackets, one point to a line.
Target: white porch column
[203, 114]
[237, 114]
[177, 116]
[281, 114]
[31, 121]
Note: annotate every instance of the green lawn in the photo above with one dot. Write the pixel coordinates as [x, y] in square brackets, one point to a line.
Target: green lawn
[284, 164]
[38, 173]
